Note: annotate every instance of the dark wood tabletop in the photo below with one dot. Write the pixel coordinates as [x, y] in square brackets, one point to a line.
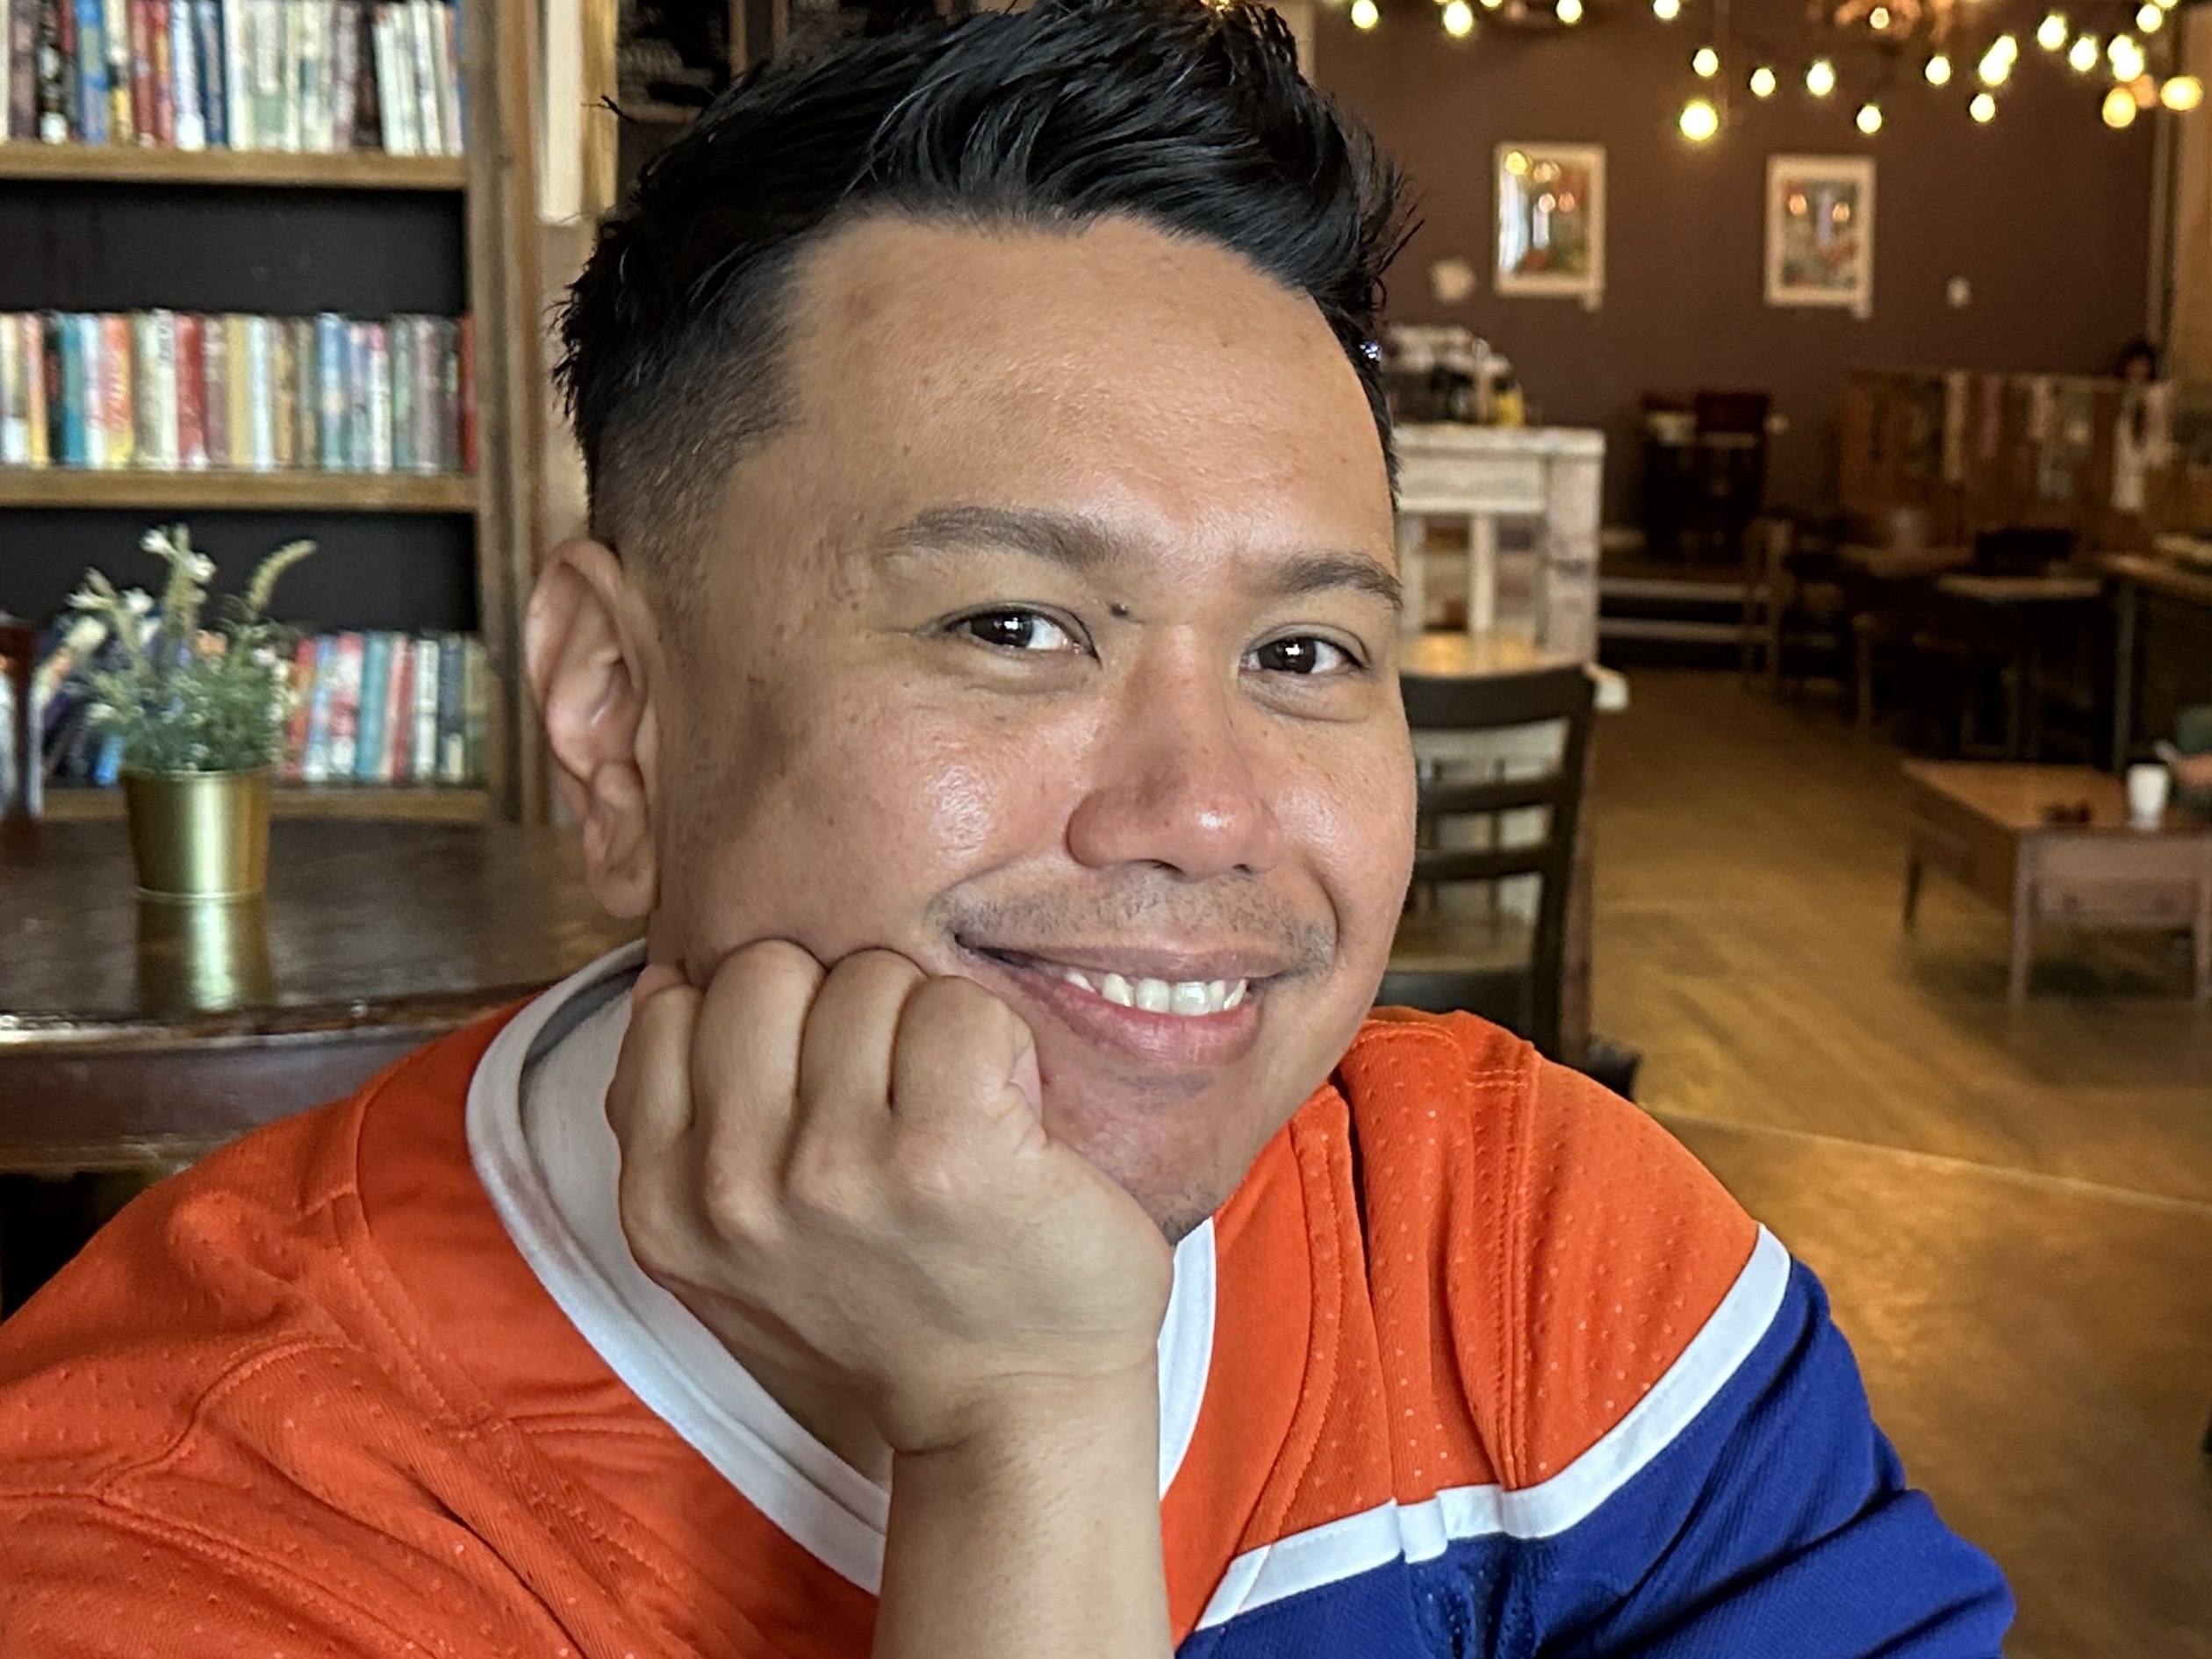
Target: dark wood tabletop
[136, 1030]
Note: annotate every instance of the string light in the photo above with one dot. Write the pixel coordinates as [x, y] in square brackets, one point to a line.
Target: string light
[2119, 108]
[1983, 109]
[1364, 14]
[1870, 118]
[1569, 11]
[1700, 121]
[1762, 82]
[1938, 70]
[1879, 19]
[1459, 19]
[2082, 56]
[1996, 66]
[1666, 10]
[1819, 78]
[2125, 56]
[2149, 20]
[2182, 93]
[1705, 63]
[2051, 34]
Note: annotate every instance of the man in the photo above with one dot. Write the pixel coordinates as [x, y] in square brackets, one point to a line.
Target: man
[984, 1224]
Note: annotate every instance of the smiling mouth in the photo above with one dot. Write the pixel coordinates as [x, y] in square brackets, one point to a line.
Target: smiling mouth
[1148, 994]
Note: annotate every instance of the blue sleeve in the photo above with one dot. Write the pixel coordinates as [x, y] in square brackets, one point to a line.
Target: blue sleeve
[1778, 1523]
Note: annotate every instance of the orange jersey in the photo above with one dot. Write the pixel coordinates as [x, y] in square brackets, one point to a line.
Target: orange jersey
[1488, 1364]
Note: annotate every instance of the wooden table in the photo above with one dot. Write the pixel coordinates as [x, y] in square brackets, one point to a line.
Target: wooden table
[2024, 604]
[2134, 575]
[1988, 824]
[140, 1033]
[1486, 655]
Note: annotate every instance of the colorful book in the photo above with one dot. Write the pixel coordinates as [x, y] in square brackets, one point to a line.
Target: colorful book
[452, 754]
[115, 23]
[118, 413]
[300, 693]
[184, 58]
[214, 100]
[215, 389]
[422, 750]
[393, 758]
[330, 366]
[375, 692]
[345, 704]
[322, 690]
[31, 331]
[75, 447]
[237, 75]
[161, 73]
[378, 395]
[191, 391]
[476, 704]
[91, 71]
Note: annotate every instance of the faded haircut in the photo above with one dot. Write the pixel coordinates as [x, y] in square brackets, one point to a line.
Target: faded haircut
[1185, 116]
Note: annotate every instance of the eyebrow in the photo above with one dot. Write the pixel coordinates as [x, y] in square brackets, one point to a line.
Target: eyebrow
[1081, 545]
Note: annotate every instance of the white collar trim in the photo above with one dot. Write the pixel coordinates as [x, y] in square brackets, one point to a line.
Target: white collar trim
[549, 1161]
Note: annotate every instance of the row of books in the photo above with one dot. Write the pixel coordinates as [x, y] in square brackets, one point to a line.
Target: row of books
[365, 707]
[321, 76]
[179, 391]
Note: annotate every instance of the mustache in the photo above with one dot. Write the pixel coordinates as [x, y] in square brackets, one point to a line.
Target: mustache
[1234, 912]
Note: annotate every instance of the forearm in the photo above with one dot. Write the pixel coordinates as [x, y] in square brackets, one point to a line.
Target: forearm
[1036, 1538]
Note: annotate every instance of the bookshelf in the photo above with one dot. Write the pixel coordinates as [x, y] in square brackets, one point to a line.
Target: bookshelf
[131, 226]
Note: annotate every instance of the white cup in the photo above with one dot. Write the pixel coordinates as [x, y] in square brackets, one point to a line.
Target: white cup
[2148, 785]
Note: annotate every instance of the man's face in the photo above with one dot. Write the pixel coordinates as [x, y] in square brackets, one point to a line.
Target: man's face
[1051, 645]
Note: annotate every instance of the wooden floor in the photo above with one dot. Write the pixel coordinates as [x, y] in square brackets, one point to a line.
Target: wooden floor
[2012, 1209]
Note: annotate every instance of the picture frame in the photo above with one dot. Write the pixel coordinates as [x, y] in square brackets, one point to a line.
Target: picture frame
[1551, 221]
[1819, 231]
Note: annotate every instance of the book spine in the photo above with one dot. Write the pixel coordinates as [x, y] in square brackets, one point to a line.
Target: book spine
[345, 705]
[452, 757]
[402, 89]
[260, 408]
[402, 333]
[266, 18]
[367, 110]
[68, 345]
[163, 74]
[452, 101]
[115, 23]
[330, 367]
[91, 75]
[300, 687]
[136, 18]
[427, 458]
[57, 76]
[306, 395]
[429, 124]
[145, 443]
[476, 701]
[191, 93]
[118, 415]
[456, 399]
[284, 389]
[422, 753]
[215, 385]
[314, 759]
[399, 720]
[345, 73]
[237, 75]
[15, 396]
[19, 67]
[379, 395]
[357, 442]
[314, 75]
[376, 672]
[191, 392]
[214, 98]
[160, 422]
[32, 330]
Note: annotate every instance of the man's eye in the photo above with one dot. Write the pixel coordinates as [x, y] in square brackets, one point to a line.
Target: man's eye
[1302, 654]
[1014, 630]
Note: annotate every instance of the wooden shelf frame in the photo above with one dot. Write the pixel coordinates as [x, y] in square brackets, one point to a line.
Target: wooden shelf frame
[137, 487]
[255, 169]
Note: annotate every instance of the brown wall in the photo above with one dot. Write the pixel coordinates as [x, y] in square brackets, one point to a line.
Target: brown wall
[2045, 211]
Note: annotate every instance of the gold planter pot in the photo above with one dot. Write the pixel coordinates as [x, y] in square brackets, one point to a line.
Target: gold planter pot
[199, 834]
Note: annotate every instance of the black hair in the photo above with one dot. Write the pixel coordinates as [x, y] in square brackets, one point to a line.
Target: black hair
[1190, 116]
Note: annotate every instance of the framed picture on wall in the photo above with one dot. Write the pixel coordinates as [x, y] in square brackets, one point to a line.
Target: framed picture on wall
[1551, 220]
[1819, 231]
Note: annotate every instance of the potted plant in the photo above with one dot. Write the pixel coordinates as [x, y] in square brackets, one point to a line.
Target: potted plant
[199, 713]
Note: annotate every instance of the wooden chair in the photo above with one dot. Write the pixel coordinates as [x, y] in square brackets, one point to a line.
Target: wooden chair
[1458, 945]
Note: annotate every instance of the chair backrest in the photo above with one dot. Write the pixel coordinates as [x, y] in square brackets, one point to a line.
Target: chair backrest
[1565, 696]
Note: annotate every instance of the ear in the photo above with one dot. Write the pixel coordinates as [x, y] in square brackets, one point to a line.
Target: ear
[591, 648]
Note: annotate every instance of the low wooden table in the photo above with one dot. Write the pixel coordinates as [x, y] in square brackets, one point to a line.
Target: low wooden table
[140, 1033]
[1989, 825]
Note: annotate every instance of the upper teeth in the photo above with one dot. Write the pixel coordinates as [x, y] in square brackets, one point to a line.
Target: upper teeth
[1160, 996]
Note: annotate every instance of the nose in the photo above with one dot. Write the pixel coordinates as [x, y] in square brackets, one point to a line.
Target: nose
[1179, 780]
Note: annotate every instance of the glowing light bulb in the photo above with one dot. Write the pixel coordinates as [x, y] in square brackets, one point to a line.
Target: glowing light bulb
[1870, 118]
[1996, 68]
[1762, 82]
[1666, 10]
[2082, 56]
[1819, 78]
[2125, 56]
[2149, 20]
[1459, 19]
[1879, 19]
[2119, 108]
[1706, 61]
[1364, 14]
[2182, 92]
[1700, 121]
[1938, 70]
[2052, 33]
[1569, 11]
[1983, 109]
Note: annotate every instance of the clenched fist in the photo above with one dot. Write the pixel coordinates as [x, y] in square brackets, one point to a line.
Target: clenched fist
[847, 1177]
